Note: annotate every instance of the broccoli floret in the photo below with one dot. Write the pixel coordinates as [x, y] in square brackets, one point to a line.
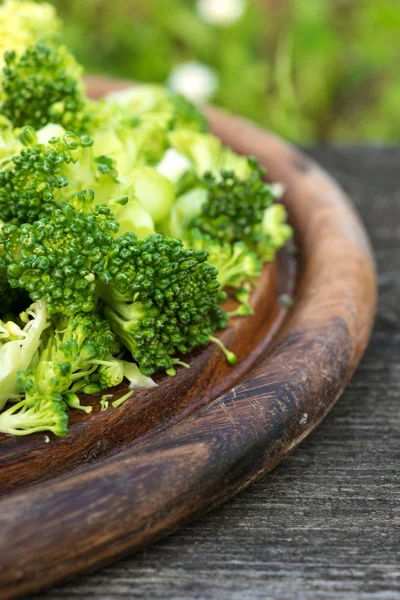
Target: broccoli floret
[162, 299]
[25, 22]
[275, 232]
[219, 212]
[42, 176]
[234, 208]
[18, 346]
[43, 85]
[228, 209]
[72, 351]
[236, 264]
[24, 418]
[59, 257]
[156, 104]
[113, 371]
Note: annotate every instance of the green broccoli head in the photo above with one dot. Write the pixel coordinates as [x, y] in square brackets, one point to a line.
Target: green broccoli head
[163, 299]
[72, 351]
[25, 22]
[41, 86]
[42, 176]
[234, 207]
[59, 257]
[111, 373]
[26, 417]
[236, 264]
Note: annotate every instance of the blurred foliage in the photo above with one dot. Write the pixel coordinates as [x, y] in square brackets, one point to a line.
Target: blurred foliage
[311, 70]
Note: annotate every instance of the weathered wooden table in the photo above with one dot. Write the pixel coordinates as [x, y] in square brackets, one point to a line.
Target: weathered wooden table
[326, 523]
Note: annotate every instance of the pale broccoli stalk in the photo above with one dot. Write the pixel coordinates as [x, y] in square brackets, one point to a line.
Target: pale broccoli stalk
[137, 380]
[206, 153]
[19, 347]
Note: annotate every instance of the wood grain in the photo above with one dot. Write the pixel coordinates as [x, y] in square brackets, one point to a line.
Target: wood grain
[93, 515]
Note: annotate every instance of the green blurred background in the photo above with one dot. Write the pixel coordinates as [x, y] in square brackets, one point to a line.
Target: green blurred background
[311, 70]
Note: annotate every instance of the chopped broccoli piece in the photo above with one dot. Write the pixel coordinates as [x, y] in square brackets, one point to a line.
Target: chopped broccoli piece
[25, 22]
[236, 264]
[155, 192]
[275, 232]
[72, 351]
[25, 417]
[59, 257]
[104, 402]
[41, 86]
[42, 176]
[162, 299]
[18, 346]
[73, 401]
[123, 399]
[110, 373]
[234, 208]
[227, 209]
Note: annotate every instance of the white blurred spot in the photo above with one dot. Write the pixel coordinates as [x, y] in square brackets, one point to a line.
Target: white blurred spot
[303, 419]
[194, 80]
[221, 12]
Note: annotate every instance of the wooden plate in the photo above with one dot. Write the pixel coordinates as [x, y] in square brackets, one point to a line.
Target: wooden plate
[126, 477]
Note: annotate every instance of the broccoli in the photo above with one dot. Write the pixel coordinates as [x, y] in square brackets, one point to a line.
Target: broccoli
[72, 350]
[41, 86]
[236, 264]
[207, 154]
[154, 103]
[42, 176]
[25, 22]
[234, 208]
[24, 418]
[275, 232]
[161, 299]
[59, 257]
[220, 211]
[227, 209]
[9, 142]
[18, 346]
[113, 371]
[132, 126]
